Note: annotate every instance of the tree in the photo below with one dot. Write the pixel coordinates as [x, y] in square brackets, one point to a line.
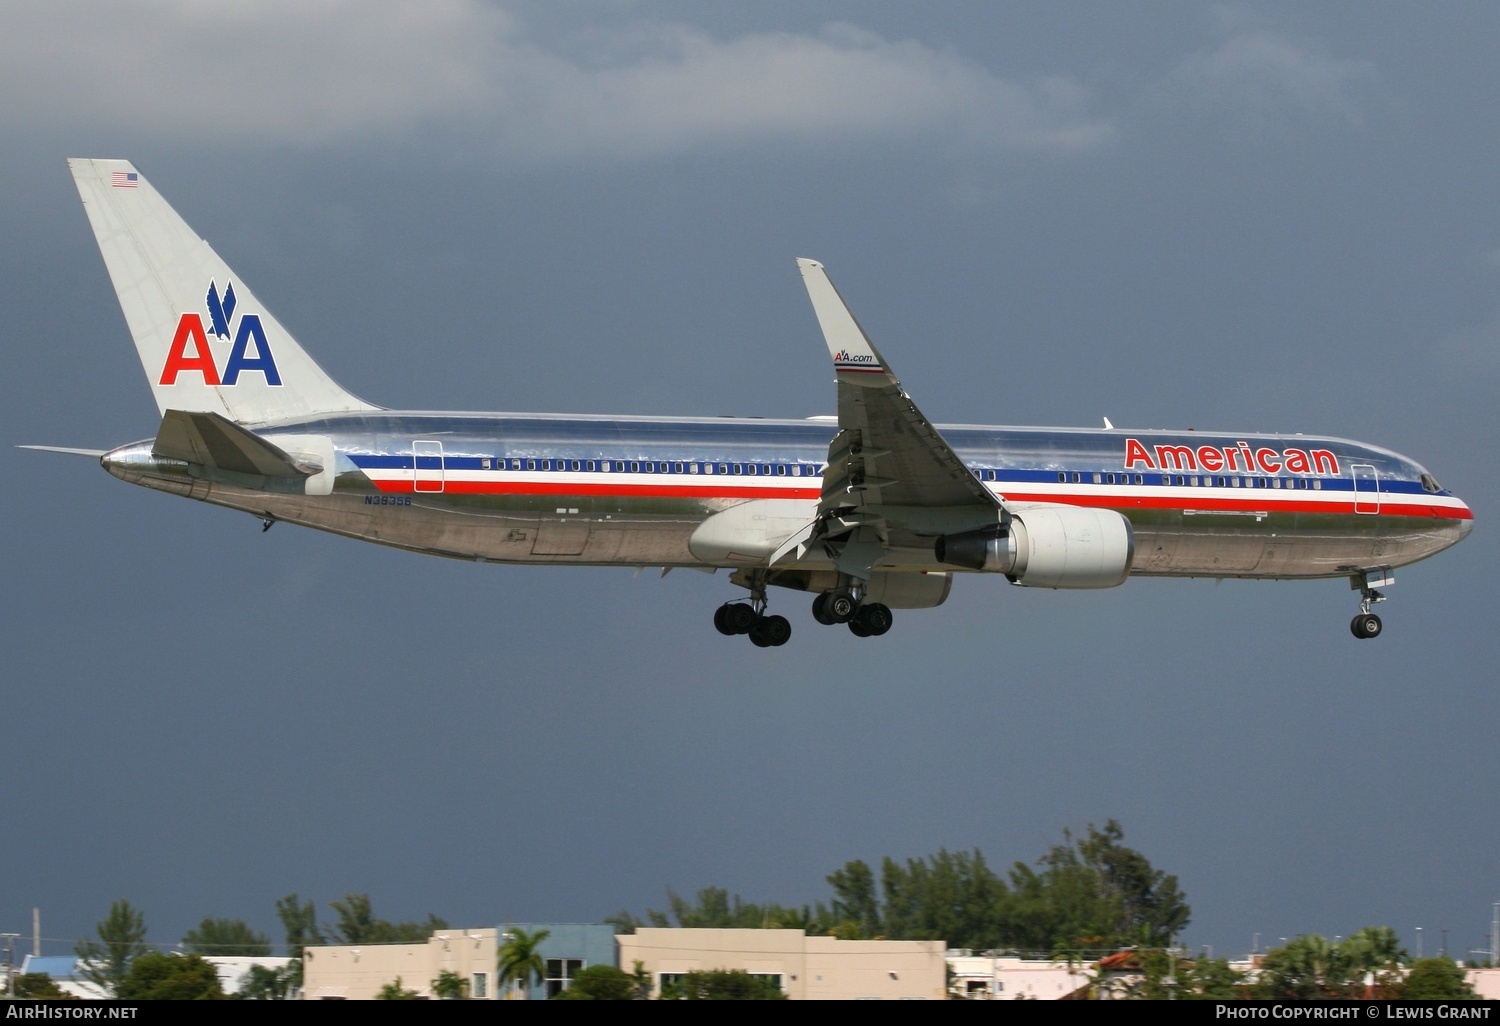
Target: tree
[300, 920]
[1374, 947]
[1437, 979]
[1306, 967]
[158, 977]
[395, 992]
[357, 924]
[262, 983]
[226, 937]
[855, 902]
[122, 937]
[1093, 892]
[449, 986]
[1167, 974]
[520, 958]
[36, 985]
[724, 985]
[712, 908]
[950, 896]
[599, 983]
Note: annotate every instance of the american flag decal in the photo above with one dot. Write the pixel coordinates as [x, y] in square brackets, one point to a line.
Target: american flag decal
[123, 179]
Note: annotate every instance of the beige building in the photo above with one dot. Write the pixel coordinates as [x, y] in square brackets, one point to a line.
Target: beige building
[357, 972]
[806, 968]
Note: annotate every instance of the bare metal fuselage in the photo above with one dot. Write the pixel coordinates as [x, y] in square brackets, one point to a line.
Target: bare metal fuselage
[624, 491]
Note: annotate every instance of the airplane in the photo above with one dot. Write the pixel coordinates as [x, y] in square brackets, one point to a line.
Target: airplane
[872, 510]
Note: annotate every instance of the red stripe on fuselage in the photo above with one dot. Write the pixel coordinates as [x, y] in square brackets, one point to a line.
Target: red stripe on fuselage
[716, 490]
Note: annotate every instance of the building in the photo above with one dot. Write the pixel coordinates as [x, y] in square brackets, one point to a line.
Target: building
[804, 967]
[64, 971]
[979, 977]
[357, 972]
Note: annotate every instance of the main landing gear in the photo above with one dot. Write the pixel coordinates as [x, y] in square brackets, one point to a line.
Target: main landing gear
[1367, 624]
[743, 618]
[750, 618]
[865, 619]
[844, 604]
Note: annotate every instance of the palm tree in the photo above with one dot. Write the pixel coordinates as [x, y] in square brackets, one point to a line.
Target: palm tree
[520, 958]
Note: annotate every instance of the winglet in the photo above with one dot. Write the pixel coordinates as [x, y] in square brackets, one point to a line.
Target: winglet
[855, 359]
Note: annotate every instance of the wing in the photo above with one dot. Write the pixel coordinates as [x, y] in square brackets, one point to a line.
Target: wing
[892, 483]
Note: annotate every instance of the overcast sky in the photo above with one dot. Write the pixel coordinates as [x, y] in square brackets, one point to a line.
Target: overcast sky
[1250, 216]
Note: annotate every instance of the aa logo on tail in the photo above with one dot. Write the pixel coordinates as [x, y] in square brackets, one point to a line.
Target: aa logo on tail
[192, 335]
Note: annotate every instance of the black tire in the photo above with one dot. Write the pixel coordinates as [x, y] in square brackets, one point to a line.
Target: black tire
[1366, 625]
[721, 620]
[776, 630]
[820, 612]
[758, 641]
[876, 618]
[858, 629]
[741, 617]
[840, 606]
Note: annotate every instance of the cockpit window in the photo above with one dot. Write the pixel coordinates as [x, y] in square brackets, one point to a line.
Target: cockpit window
[1430, 483]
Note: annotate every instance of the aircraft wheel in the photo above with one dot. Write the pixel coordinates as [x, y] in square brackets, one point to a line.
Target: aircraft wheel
[875, 617]
[758, 641]
[1366, 625]
[820, 610]
[772, 630]
[721, 620]
[740, 617]
[858, 629]
[840, 606]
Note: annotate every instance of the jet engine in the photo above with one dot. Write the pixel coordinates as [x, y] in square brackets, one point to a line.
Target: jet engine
[1048, 547]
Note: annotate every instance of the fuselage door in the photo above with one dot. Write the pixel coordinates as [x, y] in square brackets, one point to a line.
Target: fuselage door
[1366, 488]
[427, 466]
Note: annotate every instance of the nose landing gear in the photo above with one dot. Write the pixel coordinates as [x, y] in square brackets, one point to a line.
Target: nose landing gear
[1367, 624]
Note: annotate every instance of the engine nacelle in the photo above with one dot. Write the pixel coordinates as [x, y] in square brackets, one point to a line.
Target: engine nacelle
[1048, 547]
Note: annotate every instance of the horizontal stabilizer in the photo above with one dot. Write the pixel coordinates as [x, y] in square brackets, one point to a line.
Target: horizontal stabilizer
[214, 441]
[96, 453]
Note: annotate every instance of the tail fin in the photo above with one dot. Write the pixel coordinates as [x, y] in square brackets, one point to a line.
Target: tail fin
[206, 343]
